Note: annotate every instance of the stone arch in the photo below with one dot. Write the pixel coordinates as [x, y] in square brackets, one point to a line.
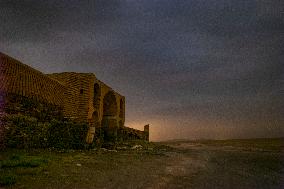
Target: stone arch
[109, 121]
[121, 108]
[120, 132]
[120, 124]
[95, 119]
[97, 95]
[109, 105]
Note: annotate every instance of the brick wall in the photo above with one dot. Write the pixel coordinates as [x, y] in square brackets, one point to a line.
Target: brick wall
[76, 104]
[20, 79]
[69, 93]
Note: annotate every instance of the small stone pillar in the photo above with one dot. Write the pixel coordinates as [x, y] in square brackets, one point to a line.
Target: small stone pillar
[110, 127]
[90, 135]
[146, 132]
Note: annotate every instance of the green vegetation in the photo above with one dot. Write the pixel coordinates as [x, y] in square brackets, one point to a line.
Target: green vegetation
[27, 132]
[7, 180]
[137, 164]
[22, 161]
[12, 166]
[39, 168]
[43, 112]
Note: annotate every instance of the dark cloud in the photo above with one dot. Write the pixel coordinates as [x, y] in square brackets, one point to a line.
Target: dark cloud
[219, 61]
[26, 20]
[38, 20]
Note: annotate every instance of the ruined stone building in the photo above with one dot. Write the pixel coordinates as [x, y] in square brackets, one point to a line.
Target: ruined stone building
[77, 96]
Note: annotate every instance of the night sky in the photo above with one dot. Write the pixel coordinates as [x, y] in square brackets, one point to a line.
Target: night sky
[190, 68]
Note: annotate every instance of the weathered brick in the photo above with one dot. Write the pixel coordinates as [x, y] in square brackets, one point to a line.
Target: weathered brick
[78, 95]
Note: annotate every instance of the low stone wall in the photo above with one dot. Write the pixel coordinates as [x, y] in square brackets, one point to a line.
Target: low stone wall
[126, 133]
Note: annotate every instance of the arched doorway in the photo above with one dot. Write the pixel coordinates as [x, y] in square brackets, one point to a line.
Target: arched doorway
[120, 131]
[97, 96]
[110, 106]
[95, 120]
[121, 108]
[109, 121]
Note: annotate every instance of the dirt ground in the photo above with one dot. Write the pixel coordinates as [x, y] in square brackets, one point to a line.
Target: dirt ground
[177, 164]
[235, 165]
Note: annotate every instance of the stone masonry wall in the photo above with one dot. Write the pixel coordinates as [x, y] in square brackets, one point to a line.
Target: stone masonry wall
[18, 78]
[77, 93]
[79, 96]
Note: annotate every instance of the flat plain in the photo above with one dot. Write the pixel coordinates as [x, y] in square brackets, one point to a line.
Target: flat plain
[240, 163]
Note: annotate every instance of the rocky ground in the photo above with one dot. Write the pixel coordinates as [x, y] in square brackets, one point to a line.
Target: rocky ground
[177, 164]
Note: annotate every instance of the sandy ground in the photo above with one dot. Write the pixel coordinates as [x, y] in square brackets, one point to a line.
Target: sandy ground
[191, 166]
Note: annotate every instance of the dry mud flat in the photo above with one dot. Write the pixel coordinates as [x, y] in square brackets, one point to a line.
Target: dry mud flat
[177, 164]
[225, 164]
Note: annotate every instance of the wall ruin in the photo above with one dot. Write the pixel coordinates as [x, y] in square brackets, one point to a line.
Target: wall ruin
[77, 96]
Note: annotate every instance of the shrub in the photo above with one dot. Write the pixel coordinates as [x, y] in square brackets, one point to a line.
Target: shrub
[7, 180]
[67, 134]
[22, 131]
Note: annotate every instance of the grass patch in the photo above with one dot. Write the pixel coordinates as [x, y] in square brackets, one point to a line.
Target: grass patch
[14, 166]
[7, 180]
[142, 167]
[82, 168]
[22, 161]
